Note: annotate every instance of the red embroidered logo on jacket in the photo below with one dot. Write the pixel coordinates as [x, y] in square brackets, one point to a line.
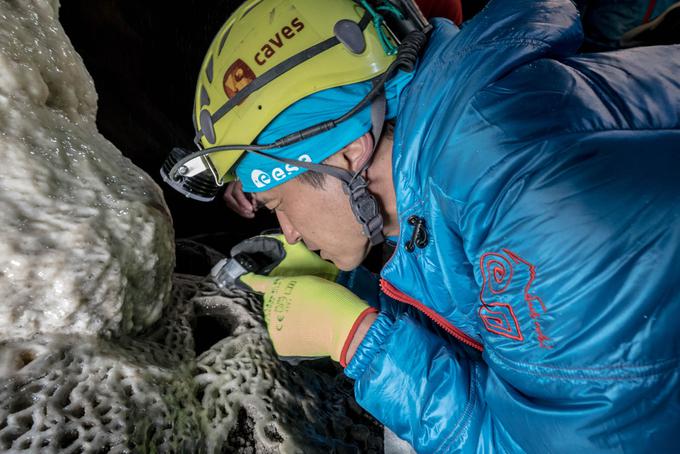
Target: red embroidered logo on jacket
[506, 283]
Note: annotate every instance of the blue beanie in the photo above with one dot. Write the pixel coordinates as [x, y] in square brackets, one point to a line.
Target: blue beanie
[259, 173]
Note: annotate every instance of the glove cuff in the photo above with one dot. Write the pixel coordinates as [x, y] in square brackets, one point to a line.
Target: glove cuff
[352, 332]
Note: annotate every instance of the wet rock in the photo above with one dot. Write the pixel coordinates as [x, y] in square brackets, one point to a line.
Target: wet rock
[86, 241]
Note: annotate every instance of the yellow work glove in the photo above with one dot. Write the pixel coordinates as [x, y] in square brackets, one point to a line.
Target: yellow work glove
[308, 316]
[286, 259]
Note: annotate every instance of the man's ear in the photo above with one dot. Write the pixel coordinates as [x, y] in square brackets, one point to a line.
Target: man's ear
[358, 152]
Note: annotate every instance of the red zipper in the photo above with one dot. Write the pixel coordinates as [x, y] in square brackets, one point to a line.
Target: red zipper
[391, 291]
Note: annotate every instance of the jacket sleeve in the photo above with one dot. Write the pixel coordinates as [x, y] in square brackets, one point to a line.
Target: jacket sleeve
[426, 389]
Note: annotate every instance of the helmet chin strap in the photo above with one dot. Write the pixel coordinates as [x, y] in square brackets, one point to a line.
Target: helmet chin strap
[364, 204]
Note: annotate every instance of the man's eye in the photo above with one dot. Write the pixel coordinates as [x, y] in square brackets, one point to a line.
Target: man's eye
[270, 206]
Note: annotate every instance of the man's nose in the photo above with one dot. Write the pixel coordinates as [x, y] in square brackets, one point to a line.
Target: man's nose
[292, 235]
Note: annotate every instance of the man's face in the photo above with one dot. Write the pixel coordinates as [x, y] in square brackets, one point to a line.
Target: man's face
[322, 218]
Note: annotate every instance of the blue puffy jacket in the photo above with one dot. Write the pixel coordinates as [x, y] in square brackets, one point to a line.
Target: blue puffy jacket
[543, 312]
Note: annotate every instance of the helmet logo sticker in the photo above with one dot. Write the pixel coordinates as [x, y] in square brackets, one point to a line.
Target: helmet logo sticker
[237, 77]
[260, 178]
[277, 41]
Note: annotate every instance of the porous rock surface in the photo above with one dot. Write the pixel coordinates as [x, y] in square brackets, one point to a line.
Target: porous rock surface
[253, 402]
[71, 205]
[74, 394]
[77, 394]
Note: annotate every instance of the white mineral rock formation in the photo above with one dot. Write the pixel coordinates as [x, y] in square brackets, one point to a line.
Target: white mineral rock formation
[85, 236]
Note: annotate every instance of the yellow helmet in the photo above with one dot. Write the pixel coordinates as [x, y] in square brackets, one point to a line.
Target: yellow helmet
[270, 54]
[253, 72]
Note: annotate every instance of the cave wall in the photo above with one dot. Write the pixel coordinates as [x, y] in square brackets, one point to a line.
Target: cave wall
[97, 339]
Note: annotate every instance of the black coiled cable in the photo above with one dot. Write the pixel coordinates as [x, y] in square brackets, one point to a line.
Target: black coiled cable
[409, 49]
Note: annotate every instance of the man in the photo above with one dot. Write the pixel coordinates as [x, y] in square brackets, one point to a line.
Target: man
[533, 196]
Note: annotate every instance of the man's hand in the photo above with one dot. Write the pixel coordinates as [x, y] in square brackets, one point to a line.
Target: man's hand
[308, 316]
[287, 259]
[237, 201]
